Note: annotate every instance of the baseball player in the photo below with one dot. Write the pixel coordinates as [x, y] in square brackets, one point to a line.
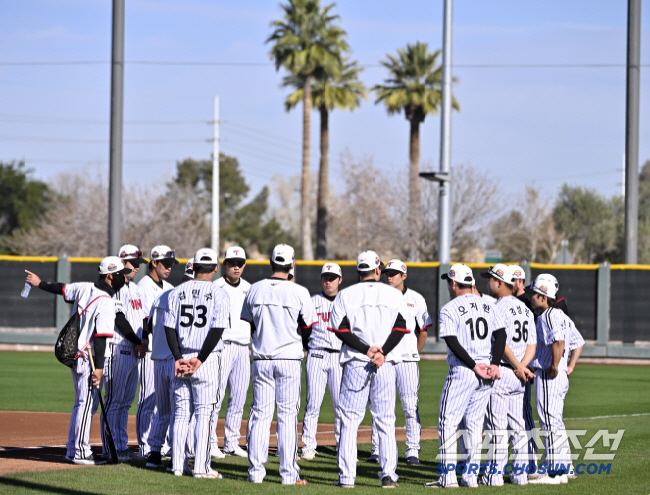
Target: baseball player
[163, 366]
[97, 308]
[196, 315]
[161, 260]
[475, 335]
[275, 308]
[407, 371]
[322, 366]
[551, 382]
[370, 318]
[235, 358]
[505, 411]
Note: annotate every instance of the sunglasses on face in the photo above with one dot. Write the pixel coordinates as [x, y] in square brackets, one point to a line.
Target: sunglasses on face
[167, 263]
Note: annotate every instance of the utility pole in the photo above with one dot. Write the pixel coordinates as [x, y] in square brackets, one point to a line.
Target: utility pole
[115, 151]
[632, 131]
[215, 178]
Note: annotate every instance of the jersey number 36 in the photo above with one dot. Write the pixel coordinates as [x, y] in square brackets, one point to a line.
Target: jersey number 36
[187, 311]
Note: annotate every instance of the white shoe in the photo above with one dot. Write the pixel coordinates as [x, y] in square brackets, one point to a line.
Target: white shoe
[238, 451]
[256, 481]
[545, 480]
[535, 476]
[564, 479]
[217, 454]
[308, 454]
[210, 475]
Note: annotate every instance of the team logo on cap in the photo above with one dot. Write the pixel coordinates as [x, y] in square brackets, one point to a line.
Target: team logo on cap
[112, 267]
[236, 251]
[499, 273]
[403, 268]
[376, 260]
[155, 254]
[517, 273]
[328, 267]
[543, 288]
[452, 273]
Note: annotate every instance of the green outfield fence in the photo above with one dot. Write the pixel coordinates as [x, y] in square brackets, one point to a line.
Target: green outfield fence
[610, 304]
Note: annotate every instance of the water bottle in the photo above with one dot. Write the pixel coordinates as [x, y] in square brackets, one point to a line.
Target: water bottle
[26, 289]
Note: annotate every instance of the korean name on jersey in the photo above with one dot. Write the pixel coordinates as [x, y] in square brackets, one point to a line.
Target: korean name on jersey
[520, 322]
[239, 330]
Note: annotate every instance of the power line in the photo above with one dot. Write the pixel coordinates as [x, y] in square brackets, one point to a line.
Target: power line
[31, 119]
[131, 141]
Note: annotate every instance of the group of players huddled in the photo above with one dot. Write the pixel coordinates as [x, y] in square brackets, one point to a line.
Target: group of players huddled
[187, 346]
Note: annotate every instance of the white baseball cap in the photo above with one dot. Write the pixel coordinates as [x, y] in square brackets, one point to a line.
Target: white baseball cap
[332, 268]
[206, 256]
[283, 254]
[235, 253]
[368, 260]
[518, 272]
[546, 285]
[395, 265]
[162, 252]
[459, 273]
[131, 253]
[500, 272]
[189, 268]
[112, 264]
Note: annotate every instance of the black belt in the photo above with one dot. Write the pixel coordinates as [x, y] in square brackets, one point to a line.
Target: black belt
[331, 351]
[232, 342]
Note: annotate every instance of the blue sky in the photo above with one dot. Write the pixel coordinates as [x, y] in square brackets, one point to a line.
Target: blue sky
[521, 125]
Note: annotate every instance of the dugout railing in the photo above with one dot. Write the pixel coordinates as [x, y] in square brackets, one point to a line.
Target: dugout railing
[610, 304]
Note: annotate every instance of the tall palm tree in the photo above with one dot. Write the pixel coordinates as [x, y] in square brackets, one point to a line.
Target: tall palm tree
[342, 91]
[415, 86]
[304, 41]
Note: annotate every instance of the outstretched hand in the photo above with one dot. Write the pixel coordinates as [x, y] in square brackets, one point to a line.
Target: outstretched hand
[32, 279]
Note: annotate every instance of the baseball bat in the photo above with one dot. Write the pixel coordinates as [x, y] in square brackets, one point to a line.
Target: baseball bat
[107, 429]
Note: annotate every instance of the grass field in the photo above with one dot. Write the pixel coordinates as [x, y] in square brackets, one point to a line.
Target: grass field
[37, 382]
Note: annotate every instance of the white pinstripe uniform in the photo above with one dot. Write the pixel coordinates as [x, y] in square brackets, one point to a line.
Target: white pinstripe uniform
[552, 326]
[407, 373]
[235, 365]
[323, 369]
[121, 369]
[194, 308]
[506, 406]
[276, 307]
[97, 321]
[371, 311]
[472, 320]
[149, 291]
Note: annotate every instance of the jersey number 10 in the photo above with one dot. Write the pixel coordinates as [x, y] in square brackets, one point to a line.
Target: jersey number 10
[187, 312]
[481, 328]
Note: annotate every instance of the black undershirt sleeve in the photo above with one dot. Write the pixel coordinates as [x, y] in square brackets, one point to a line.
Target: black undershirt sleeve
[460, 352]
[53, 287]
[147, 325]
[305, 334]
[498, 345]
[99, 344]
[391, 342]
[210, 343]
[172, 342]
[348, 338]
[124, 327]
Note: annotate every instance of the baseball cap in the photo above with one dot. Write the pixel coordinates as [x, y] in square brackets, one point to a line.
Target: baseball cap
[500, 272]
[394, 266]
[189, 268]
[368, 260]
[132, 254]
[206, 256]
[112, 264]
[518, 272]
[283, 254]
[546, 285]
[460, 273]
[235, 253]
[162, 252]
[332, 268]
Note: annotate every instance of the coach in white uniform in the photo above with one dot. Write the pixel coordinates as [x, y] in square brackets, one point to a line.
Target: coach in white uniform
[407, 371]
[235, 358]
[370, 318]
[276, 308]
[323, 366]
[475, 336]
[196, 315]
[505, 412]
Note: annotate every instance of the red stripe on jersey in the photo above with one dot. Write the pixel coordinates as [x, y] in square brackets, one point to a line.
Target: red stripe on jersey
[338, 330]
[103, 335]
[424, 329]
[404, 330]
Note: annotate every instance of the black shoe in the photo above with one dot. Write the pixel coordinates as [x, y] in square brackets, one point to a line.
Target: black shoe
[374, 458]
[412, 461]
[387, 482]
[154, 460]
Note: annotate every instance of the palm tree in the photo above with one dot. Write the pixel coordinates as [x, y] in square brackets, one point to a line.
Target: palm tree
[415, 86]
[305, 41]
[328, 93]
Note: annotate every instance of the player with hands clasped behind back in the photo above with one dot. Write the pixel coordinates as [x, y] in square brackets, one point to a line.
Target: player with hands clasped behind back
[196, 315]
[370, 318]
[475, 336]
[323, 366]
[505, 412]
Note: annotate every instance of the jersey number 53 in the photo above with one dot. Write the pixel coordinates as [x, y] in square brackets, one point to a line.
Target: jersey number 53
[187, 311]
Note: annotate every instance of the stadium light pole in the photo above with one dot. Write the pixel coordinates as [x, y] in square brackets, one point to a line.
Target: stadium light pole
[632, 131]
[115, 151]
[443, 177]
[215, 178]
